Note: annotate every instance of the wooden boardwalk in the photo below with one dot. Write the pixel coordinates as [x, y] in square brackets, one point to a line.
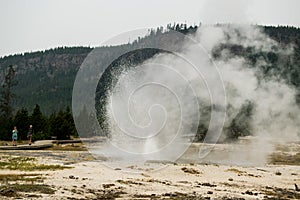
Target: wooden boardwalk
[42, 144]
[34, 146]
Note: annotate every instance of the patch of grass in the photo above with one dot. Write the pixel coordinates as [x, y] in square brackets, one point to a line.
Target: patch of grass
[21, 159]
[69, 147]
[26, 164]
[280, 193]
[241, 173]
[109, 194]
[235, 170]
[49, 167]
[190, 170]
[21, 177]
[15, 189]
[284, 159]
[231, 185]
[128, 182]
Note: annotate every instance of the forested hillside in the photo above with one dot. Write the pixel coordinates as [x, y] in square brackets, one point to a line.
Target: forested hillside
[46, 77]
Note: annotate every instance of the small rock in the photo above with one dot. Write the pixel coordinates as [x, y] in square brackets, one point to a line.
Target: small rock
[230, 179]
[71, 177]
[209, 192]
[278, 173]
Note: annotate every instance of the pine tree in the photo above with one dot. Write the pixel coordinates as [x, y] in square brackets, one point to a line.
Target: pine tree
[52, 124]
[39, 123]
[6, 94]
[6, 109]
[84, 123]
[6, 128]
[70, 122]
[59, 126]
[62, 124]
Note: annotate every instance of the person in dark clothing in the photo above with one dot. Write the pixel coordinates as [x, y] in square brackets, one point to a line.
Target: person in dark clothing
[29, 134]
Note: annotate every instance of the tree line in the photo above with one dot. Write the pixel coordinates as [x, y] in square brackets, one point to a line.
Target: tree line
[60, 125]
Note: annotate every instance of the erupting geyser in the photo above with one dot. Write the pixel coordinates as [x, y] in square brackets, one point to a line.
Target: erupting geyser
[154, 105]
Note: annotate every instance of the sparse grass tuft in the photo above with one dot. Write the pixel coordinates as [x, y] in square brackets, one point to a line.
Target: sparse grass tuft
[15, 189]
[68, 147]
[21, 177]
[284, 159]
[190, 170]
[25, 164]
[235, 170]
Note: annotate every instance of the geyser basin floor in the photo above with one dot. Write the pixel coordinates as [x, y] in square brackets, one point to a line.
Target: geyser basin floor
[90, 179]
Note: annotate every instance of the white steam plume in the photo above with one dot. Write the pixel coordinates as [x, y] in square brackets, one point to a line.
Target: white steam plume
[153, 110]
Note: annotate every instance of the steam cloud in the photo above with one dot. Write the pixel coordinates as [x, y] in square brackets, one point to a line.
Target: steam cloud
[163, 96]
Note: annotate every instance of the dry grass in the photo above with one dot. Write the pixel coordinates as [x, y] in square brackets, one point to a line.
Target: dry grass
[25, 164]
[190, 170]
[235, 170]
[280, 193]
[17, 190]
[284, 159]
[6, 178]
[68, 147]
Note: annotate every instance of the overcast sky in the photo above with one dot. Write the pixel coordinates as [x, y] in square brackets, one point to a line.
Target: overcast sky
[30, 25]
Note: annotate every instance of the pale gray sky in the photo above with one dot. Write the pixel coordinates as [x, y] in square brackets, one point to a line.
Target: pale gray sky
[29, 25]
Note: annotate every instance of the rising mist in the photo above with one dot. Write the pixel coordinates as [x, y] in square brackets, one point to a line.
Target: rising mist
[164, 97]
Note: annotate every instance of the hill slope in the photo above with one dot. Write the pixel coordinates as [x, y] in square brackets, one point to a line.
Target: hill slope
[46, 78]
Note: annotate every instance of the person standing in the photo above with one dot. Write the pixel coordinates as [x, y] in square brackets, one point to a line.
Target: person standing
[14, 136]
[29, 134]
